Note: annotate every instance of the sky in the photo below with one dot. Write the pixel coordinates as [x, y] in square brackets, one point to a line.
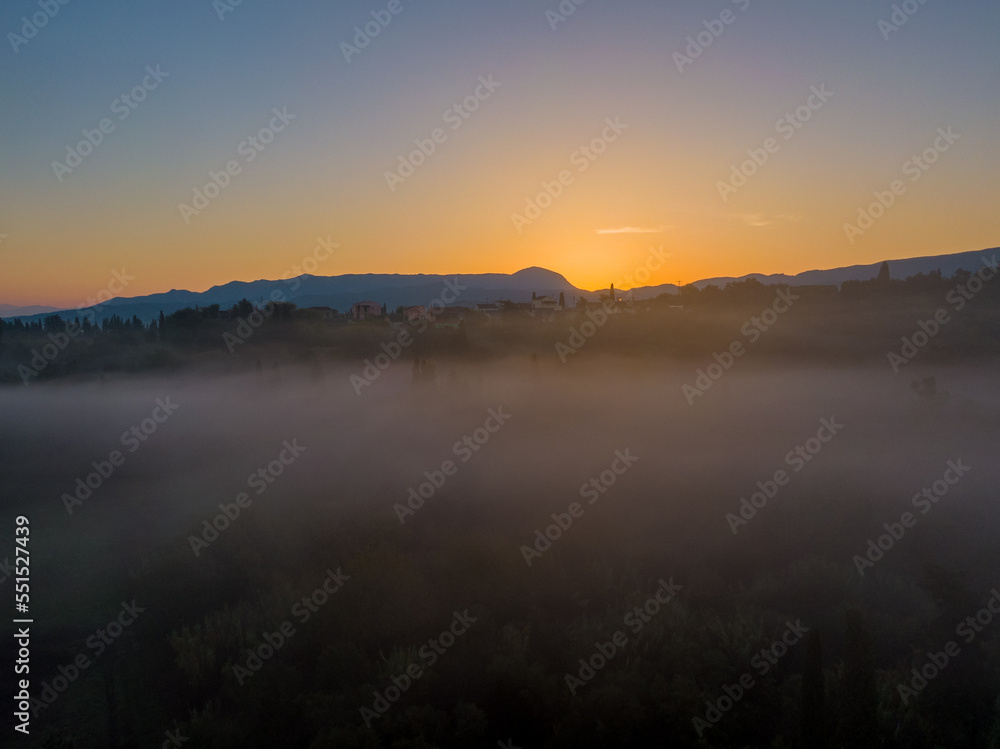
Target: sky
[731, 136]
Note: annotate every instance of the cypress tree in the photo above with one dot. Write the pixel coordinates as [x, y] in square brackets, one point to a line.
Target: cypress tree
[883, 273]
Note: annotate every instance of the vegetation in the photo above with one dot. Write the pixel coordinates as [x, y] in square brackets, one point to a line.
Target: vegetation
[228, 654]
[859, 323]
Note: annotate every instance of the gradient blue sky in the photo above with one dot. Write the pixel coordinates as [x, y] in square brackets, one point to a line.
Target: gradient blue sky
[324, 175]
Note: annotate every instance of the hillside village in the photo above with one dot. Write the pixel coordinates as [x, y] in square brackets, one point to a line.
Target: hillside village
[540, 308]
[859, 321]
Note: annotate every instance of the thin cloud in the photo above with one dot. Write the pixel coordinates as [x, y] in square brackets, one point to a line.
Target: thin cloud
[762, 219]
[756, 219]
[633, 230]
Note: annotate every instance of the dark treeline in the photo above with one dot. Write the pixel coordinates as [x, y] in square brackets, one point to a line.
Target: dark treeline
[859, 323]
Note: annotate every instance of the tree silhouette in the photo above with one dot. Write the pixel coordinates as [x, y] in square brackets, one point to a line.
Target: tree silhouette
[860, 712]
[883, 273]
[814, 695]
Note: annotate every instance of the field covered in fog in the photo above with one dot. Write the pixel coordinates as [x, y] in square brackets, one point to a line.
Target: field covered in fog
[555, 555]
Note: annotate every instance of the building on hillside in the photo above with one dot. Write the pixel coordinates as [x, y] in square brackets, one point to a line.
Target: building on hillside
[544, 304]
[492, 311]
[361, 311]
[544, 307]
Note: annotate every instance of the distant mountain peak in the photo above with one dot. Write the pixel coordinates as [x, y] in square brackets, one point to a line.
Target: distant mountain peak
[542, 276]
[395, 289]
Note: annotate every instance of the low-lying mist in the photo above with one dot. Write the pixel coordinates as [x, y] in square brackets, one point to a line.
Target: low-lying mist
[527, 493]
